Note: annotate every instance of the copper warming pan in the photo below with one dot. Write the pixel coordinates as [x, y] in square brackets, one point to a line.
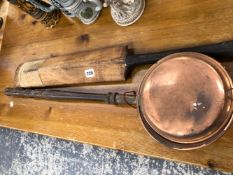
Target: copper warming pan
[185, 101]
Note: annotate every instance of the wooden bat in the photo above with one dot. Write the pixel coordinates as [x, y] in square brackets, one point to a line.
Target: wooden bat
[103, 65]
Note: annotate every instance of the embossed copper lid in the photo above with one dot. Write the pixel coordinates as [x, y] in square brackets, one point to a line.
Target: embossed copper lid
[184, 100]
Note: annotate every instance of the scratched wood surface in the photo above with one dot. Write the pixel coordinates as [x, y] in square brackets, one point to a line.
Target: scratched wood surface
[165, 24]
[3, 14]
[108, 65]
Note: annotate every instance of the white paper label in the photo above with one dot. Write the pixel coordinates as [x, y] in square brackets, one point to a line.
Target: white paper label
[90, 73]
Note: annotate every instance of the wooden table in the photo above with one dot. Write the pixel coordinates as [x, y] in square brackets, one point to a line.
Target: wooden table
[166, 24]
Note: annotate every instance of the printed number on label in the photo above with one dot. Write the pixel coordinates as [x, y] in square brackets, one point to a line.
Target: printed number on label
[90, 73]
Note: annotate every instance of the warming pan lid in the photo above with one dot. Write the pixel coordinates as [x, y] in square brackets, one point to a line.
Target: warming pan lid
[185, 98]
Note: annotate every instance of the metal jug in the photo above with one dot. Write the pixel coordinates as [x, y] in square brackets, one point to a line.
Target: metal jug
[86, 10]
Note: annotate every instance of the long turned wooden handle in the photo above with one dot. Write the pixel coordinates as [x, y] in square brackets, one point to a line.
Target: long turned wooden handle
[94, 66]
[52, 94]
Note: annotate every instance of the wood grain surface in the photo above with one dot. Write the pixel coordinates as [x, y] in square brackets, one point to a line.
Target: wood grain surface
[165, 24]
[3, 14]
[100, 65]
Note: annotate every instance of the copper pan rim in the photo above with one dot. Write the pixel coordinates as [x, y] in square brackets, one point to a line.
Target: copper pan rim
[215, 135]
[182, 146]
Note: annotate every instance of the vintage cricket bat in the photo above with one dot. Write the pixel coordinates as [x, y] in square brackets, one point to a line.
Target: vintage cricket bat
[103, 65]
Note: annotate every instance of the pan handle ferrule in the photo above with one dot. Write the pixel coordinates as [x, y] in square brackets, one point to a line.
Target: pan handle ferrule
[128, 98]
